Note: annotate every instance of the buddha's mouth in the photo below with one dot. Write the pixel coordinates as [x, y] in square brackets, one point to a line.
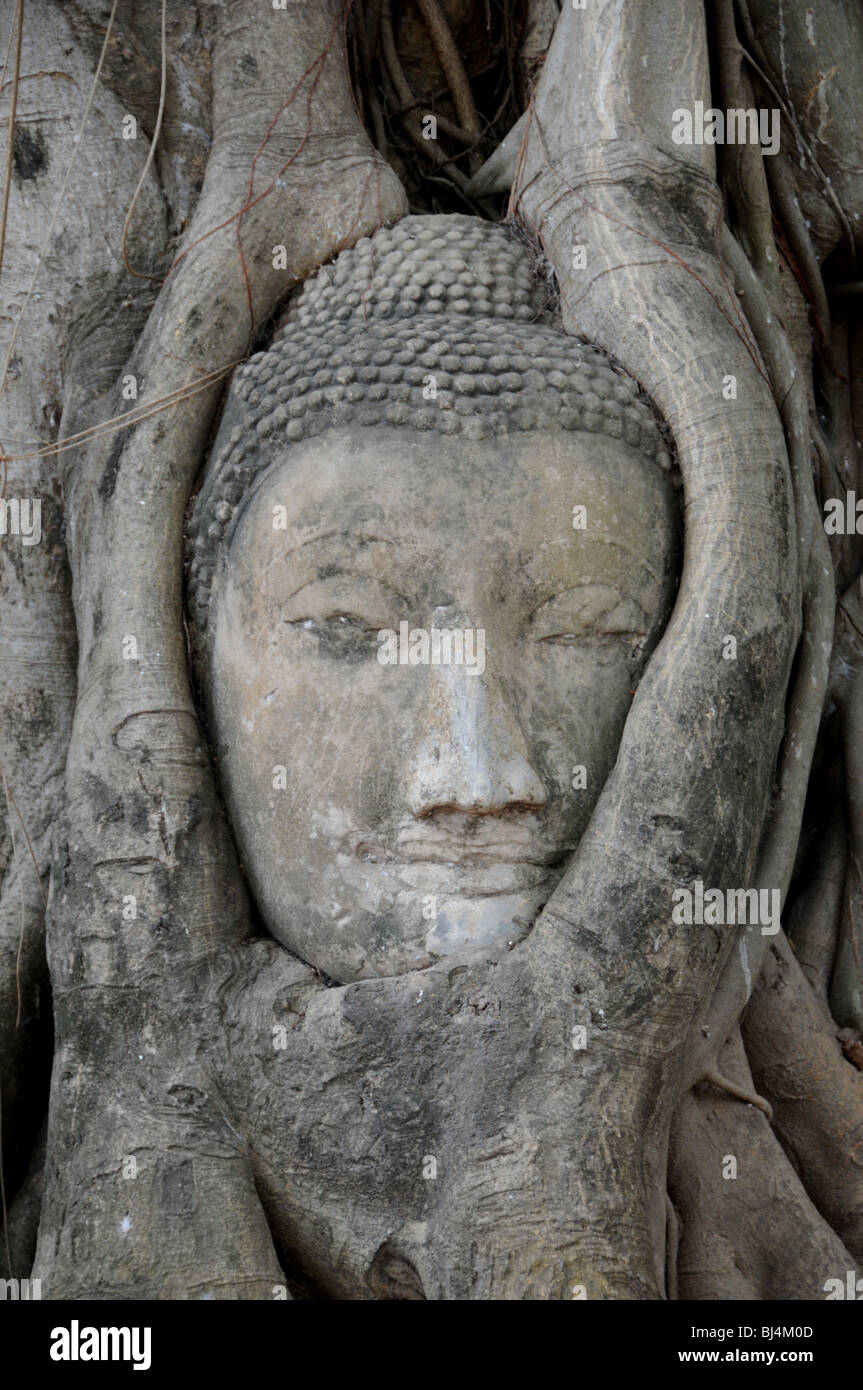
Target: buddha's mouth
[446, 867]
[461, 880]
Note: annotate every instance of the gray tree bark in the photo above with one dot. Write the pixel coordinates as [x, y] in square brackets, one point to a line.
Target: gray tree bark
[152, 258]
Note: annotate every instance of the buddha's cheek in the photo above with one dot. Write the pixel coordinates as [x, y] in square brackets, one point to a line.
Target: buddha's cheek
[575, 708]
[314, 756]
[313, 777]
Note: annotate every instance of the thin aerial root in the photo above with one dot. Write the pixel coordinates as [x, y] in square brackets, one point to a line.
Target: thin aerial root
[802, 258]
[752, 199]
[755, 57]
[408, 116]
[450, 60]
[366, 55]
[750, 1097]
[129, 418]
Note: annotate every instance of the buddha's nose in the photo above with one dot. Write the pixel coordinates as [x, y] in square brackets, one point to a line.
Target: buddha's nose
[472, 755]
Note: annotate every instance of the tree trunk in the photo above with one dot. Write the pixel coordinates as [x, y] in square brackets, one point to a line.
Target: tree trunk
[172, 177]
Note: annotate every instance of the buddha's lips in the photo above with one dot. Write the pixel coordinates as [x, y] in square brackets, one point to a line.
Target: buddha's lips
[444, 865]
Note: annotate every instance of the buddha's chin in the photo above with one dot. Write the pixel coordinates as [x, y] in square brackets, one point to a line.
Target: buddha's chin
[387, 943]
[465, 923]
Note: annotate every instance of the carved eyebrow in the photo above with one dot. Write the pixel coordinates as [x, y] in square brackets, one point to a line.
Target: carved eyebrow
[344, 574]
[643, 562]
[343, 537]
[347, 536]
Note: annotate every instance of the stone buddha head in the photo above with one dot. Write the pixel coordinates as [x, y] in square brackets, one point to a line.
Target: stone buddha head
[435, 545]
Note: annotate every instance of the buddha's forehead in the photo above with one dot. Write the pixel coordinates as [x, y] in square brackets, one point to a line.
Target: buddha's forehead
[502, 502]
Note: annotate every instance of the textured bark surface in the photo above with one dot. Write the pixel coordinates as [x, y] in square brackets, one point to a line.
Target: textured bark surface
[560, 1172]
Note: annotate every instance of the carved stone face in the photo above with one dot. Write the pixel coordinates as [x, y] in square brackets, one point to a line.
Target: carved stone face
[427, 806]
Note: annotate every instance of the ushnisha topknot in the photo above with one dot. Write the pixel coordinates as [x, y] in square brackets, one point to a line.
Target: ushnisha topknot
[431, 325]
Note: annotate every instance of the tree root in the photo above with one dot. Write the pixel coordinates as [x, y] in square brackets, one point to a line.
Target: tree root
[450, 60]
[816, 1094]
[807, 696]
[409, 116]
[800, 244]
[739, 1092]
[815, 915]
[743, 166]
[739, 1201]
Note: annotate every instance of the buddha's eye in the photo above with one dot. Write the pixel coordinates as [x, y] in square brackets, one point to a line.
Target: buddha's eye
[344, 613]
[338, 622]
[569, 639]
[591, 617]
[629, 644]
[347, 637]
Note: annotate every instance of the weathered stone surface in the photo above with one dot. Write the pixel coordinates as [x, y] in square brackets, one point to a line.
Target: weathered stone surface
[389, 811]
